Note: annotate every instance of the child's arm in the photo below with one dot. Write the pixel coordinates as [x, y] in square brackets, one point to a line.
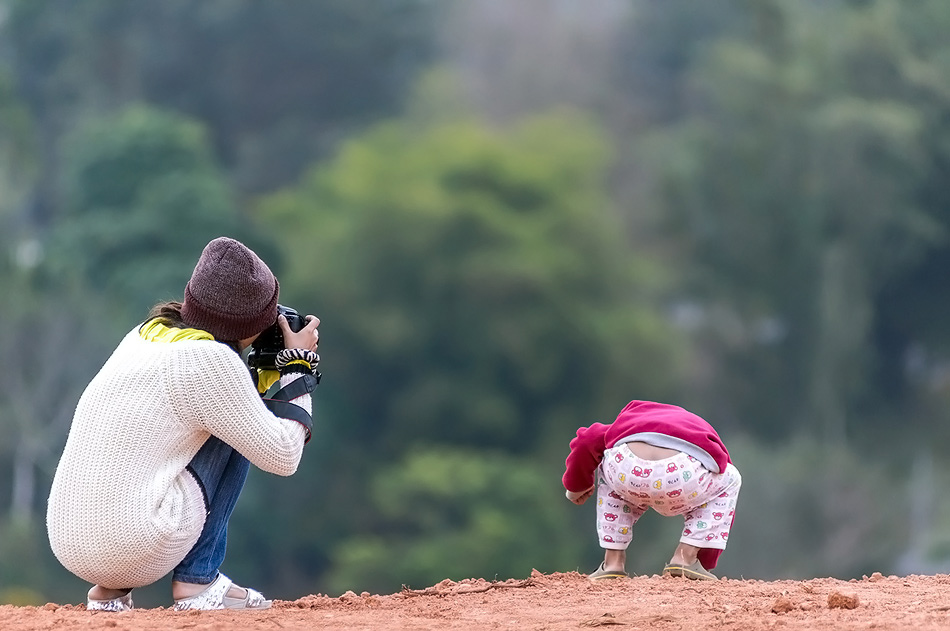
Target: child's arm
[581, 497]
[587, 450]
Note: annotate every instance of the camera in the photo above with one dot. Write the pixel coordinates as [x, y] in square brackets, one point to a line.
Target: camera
[271, 341]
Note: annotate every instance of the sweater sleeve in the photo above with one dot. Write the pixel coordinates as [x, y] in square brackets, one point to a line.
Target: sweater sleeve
[215, 392]
[587, 450]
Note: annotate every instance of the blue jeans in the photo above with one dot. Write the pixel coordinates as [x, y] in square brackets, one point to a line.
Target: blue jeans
[221, 472]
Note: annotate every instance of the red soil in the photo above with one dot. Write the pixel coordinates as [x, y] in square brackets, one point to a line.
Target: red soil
[559, 601]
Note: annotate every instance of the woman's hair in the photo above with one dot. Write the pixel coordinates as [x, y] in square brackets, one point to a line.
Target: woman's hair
[169, 314]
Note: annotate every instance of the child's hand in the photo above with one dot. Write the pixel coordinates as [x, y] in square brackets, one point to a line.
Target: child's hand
[579, 497]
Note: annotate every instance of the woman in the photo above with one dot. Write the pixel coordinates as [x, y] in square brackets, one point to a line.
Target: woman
[162, 437]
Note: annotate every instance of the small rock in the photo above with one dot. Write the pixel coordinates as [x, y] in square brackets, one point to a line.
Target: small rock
[877, 576]
[348, 595]
[837, 600]
[782, 605]
[364, 594]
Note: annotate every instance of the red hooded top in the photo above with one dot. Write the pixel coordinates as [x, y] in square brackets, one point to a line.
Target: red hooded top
[657, 424]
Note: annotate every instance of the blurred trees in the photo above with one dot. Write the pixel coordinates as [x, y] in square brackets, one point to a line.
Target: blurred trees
[142, 195]
[796, 176]
[496, 257]
[512, 218]
[493, 255]
[53, 339]
[18, 159]
[277, 84]
[455, 513]
[814, 509]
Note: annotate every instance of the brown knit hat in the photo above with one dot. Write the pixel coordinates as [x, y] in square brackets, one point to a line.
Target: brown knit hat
[232, 293]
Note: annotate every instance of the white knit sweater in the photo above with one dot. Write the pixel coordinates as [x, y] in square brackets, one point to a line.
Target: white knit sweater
[123, 511]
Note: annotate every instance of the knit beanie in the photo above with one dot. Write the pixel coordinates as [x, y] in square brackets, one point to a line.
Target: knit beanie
[232, 293]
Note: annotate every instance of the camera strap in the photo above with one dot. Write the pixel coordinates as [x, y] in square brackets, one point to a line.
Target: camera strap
[280, 403]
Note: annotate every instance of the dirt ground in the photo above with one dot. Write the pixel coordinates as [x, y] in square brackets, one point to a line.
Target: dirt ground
[559, 601]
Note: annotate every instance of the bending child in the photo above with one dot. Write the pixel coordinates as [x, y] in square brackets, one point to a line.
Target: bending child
[663, 457]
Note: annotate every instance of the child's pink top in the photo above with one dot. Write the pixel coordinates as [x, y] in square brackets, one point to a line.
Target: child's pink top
[657, 424]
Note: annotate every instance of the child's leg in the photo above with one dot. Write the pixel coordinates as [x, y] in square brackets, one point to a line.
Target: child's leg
[616, 517]
[615, 560]
[685, 554]
[707, 525]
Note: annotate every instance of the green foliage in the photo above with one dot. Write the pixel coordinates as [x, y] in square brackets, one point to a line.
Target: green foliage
[19, 548]
[472, 513]
[21, 597]
[113, 162]
[795, 178]
[144, 197]
[490, 257]
[17, 150]
[42, 318]
[476, 283]
[813, 509]
[277, 84]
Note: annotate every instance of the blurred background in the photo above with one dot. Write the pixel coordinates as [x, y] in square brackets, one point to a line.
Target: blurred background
[512, 218]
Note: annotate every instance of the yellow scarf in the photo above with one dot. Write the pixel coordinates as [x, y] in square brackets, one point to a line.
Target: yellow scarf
[155, 331]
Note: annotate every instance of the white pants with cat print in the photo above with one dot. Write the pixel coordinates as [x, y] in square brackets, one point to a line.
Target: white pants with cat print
[628, 485]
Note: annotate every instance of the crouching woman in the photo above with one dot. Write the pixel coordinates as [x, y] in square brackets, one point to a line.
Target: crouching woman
[163, 437]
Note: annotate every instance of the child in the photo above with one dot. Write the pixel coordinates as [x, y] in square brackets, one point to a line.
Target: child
[656, 456]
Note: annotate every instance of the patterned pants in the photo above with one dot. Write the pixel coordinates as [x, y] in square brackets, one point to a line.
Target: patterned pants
[680, 485]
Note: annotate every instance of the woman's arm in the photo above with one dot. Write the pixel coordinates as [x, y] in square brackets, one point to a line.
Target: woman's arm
[214, 391]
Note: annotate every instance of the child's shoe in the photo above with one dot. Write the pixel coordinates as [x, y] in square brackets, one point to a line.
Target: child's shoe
[600, 574]
[696, 571]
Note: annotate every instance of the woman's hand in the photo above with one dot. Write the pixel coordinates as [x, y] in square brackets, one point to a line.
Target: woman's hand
[307, 338]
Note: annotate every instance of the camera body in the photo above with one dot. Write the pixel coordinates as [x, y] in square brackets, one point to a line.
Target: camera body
[271, 341]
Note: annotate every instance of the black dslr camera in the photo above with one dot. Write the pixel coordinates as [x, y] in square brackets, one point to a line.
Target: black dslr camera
[265, 348]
